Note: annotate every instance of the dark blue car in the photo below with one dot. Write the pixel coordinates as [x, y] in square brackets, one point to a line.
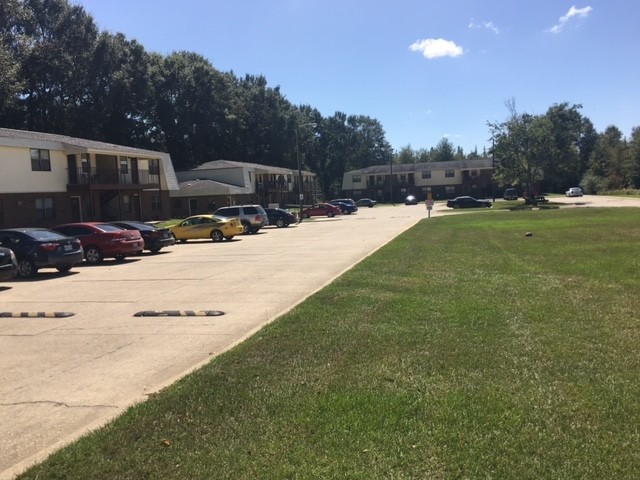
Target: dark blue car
[345, 207]
[37, 248]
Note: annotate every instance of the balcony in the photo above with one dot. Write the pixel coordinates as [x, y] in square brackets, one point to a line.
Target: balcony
[110, 177]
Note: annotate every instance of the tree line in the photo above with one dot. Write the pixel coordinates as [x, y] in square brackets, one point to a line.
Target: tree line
[561, 149]
[61, 74]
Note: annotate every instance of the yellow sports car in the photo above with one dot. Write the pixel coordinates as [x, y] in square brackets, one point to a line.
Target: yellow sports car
[206, 226]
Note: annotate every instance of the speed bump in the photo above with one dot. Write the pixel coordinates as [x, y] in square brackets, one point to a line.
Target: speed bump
[36, 314]
[179, 313]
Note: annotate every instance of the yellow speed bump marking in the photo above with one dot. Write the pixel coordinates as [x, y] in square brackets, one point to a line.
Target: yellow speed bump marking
[179, 313]
[36, 314]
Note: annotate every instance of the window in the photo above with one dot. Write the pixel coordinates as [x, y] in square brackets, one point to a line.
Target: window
[40, 161]
[124, 165]
[426, 174]
[156, 206]
[450, 189]
[474, 173]
[44, 208]
[154, 167]
[356, 179]
[449, 173]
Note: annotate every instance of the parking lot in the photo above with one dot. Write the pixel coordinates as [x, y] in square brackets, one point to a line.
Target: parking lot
[63, 375]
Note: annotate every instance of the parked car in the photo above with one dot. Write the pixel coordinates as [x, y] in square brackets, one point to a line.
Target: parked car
[366, 202]
[8, 264]
[154, 238]
[252, 217]
[102, 240]
[321, 210]
[510, 194]
[37, 248]
[468, 202]
[207, 226]
[280, 217]
[574, 192]
[411, 200]
[348, 201]
[345, 208]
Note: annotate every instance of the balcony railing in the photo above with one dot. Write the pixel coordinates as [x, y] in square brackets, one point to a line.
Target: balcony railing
[105, 176]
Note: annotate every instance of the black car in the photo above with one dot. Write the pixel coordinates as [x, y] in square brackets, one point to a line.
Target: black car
[280, 217]
[8, 264]
[366, 202]
[37, 248]
[411, 200]
[154, 238]
[468, 202]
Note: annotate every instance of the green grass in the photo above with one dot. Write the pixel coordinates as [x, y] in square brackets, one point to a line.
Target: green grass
[462, 349]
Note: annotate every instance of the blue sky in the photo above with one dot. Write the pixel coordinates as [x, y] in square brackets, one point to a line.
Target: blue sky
[426, 69]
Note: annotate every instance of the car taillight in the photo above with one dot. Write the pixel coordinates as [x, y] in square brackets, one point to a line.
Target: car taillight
[49, 247]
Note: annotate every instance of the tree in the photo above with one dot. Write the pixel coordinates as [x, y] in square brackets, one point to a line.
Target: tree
[632, 158]
[444, 151]
[520, 145]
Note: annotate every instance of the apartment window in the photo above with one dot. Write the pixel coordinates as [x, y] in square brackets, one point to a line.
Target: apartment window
[156, 206]
[426, 174]
[44, 208]
[124, 165]
[474, 173]
[154, 166]
[356, 179]
[450, 189]
[40, 161]
[449, 173]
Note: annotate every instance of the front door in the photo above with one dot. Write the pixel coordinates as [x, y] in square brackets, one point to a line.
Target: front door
[76, 209]
[193, 206]
[71, 167]
[135, 177]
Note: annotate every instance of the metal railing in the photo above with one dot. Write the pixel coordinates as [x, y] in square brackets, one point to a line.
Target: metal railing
[105, 176]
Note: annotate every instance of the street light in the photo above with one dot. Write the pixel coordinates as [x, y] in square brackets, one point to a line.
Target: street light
[300, 194]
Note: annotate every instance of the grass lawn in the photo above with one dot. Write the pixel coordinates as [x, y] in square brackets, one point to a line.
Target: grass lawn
[462, 349]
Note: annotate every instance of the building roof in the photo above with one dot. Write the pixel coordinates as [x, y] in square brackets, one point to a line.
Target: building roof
[205, 186]
[226, 164]
[419, 167]
[24, 138]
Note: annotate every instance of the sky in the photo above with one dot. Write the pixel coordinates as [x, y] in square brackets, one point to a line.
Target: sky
[425, 69]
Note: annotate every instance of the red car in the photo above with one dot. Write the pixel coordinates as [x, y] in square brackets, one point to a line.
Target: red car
[102, 240]
[321, 210]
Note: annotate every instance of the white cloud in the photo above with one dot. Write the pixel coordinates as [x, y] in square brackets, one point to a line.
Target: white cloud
[487, 25]
[436, 47]
[572, 13]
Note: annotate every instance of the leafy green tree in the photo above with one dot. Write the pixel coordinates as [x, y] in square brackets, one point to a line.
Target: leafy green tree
[406, 155]
[632, 159]
[55, 64]
[444, 151]
[521, 148]
[562, 167]
[606, 164]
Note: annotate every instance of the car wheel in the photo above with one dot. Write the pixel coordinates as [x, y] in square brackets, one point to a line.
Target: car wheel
[64, 268]
[216, 235]
[280, 223]
[305, 215]
[330, 214]
[93, 255]
[120, 257]
[230, 237]
[26, 268]
[246, 228]
[154, 250]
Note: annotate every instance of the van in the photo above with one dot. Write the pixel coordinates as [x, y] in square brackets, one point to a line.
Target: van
[510, 194]
[253, 217]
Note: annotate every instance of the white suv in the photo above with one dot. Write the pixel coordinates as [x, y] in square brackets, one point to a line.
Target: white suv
[253, 217]
[574, 192]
